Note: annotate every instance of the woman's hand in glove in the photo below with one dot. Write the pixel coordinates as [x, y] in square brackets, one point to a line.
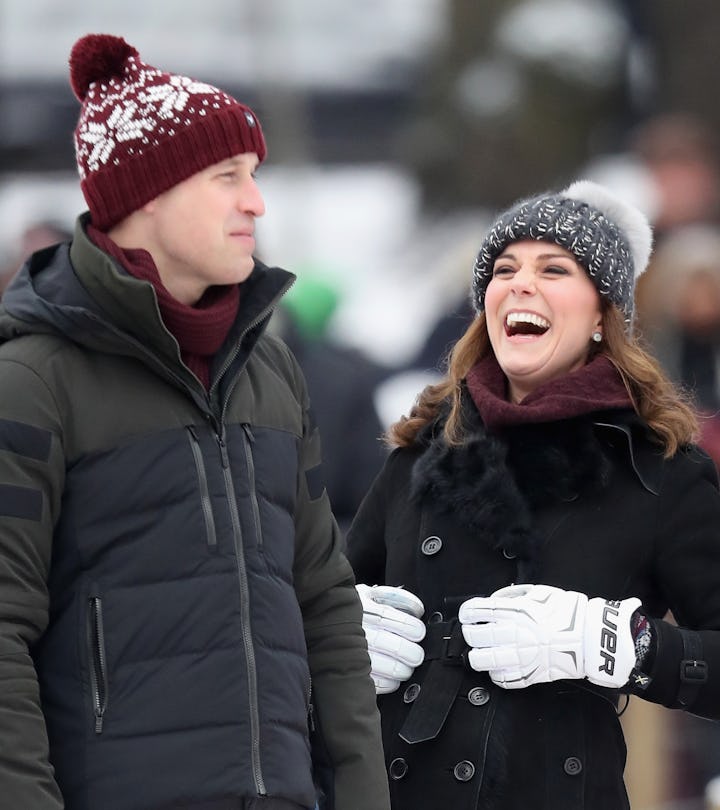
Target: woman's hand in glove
[391, 621]
[526, 634]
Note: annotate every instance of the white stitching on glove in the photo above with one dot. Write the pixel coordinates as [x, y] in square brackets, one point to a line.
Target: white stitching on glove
[526, 634]
[391, 621]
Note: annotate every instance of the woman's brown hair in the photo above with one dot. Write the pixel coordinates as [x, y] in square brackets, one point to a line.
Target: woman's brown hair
[667, 410]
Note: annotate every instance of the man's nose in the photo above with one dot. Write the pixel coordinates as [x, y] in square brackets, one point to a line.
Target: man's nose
[250, 200]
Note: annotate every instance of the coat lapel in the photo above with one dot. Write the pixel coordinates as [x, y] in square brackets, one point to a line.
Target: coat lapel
[493, 485]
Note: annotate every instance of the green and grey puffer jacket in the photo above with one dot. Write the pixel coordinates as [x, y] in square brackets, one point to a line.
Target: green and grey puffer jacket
[174, 602]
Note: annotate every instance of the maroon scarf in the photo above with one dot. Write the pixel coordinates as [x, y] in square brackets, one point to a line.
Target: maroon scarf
[200, 330]
[594, 387]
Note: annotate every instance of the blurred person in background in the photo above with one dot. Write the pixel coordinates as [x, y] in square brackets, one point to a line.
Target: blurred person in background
[446, 331]
[34, 236]
[681, 319]
[543, 508]
[681, 155]
[677, 315]
[680, 150]
[178, 624]
[681, 322]
[341, 383]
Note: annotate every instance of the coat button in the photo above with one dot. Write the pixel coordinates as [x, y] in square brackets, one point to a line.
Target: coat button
[509, 555]
[435, 617]
[572, 766]
[464, 771]
[411, 692]
[478, 696]
[398, 768]
[431, 545]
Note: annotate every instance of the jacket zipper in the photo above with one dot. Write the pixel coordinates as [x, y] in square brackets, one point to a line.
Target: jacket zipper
[244, 616]
[248, 440]
[98, 662]
[210, 531]
[239, 555]
[166, 372]
[311, 709]
[98, 677]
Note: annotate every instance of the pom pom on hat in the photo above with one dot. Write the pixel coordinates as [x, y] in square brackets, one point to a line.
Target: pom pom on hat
[97, 58]
[631, 221]
[142, 130]
[609, 237]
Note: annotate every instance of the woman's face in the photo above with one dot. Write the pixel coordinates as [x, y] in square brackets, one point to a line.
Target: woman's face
[541, 309]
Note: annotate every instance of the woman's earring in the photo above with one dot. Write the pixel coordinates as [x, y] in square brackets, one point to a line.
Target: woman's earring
[597, 336]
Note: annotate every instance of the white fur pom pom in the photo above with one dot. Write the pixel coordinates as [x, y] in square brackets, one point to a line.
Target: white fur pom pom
[631, 221]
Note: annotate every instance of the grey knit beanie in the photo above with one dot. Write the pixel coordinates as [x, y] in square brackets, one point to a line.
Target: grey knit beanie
[609, 237]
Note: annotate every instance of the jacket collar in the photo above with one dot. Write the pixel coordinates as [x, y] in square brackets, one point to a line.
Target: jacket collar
[79, 291]
[494, 483]
[131, 303]
[644, 455]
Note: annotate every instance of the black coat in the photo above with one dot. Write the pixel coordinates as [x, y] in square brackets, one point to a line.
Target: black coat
[587, 504]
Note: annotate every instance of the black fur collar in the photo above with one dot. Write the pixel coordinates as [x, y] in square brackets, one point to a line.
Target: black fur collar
[493, 483]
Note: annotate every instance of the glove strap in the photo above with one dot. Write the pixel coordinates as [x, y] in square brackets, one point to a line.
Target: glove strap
[693, 670]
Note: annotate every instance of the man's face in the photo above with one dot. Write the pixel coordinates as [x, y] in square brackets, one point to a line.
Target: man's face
[202, 229]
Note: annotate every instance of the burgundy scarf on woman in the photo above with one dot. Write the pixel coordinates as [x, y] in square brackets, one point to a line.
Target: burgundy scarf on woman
[200, 330]
[594, 387]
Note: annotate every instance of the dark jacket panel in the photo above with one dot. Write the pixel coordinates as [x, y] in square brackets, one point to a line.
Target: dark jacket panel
[169, 581]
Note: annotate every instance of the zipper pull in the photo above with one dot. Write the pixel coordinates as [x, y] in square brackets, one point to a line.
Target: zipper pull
[248, 432]
[223, 451]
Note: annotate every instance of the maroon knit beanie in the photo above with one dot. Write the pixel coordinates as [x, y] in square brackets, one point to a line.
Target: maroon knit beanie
[142, 131]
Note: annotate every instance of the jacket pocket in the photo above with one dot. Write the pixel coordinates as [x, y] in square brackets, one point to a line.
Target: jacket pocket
[323, 771]
[97, 659]
[210, 533]
[248, 441]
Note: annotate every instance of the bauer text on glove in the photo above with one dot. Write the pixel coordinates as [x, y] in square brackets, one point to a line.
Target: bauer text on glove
[527, 634]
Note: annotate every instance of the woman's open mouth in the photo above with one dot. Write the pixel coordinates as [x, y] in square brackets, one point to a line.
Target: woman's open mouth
[525, 323]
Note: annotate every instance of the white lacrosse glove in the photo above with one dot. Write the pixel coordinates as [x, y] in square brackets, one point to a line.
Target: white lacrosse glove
[526, 634]
[391, 621]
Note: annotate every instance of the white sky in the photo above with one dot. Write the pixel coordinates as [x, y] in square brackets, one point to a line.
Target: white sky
[341, 43]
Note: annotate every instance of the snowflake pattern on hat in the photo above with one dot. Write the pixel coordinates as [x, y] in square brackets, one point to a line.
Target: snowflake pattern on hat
[135, 109]
[142, 130]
